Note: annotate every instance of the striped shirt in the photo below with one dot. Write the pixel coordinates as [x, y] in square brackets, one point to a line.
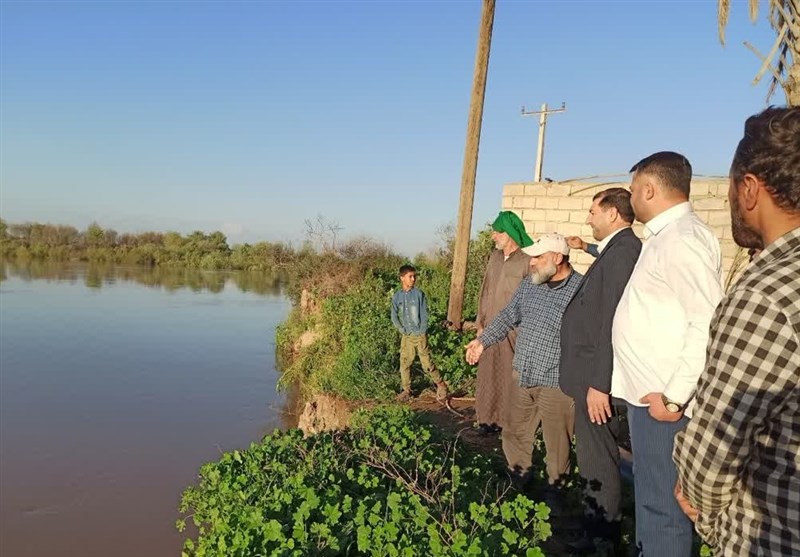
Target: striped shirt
[738, 459]
[537, 310]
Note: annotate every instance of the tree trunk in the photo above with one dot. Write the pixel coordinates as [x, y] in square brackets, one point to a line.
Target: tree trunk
[792, 87]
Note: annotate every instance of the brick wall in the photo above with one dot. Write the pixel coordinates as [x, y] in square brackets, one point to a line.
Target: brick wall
[563, 207]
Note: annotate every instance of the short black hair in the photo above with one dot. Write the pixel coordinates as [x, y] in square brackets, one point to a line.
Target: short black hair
[620, 199]
[405, 269]
[770, 150]
[672, 169]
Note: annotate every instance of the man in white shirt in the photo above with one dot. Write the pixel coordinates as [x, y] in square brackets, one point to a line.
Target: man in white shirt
[659, 335]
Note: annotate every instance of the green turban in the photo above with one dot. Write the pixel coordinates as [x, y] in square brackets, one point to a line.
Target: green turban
[511, 224]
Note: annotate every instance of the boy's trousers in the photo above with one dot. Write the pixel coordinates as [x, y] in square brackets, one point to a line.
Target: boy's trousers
[411, 346]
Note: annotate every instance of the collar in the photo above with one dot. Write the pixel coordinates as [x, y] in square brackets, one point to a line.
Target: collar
[604, 242]
[514, 253]
[564, 281]
[660, 221]
[782, 246]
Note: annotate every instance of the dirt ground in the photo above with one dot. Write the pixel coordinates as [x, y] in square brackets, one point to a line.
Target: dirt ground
[458, 419]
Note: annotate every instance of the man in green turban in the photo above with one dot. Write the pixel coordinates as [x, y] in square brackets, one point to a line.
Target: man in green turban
[509, 223]
[506, 268]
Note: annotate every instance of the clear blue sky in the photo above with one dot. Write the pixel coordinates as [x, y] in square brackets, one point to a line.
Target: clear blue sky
[251, 117]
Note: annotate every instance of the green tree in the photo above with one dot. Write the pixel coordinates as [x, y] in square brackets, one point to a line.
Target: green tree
[94, 236]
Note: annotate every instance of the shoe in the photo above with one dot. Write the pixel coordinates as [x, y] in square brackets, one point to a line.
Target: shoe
[488, 430]
[597, 536]
[442, 393]
[403, 396]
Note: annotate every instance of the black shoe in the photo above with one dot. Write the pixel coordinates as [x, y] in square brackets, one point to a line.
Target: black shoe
[600, 536]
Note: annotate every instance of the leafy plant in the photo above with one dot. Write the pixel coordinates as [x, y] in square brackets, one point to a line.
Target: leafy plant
[391, 485]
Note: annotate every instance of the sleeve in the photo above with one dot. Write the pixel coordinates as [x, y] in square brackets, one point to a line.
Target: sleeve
[423, 311]
[751, 373]
[395, 317]
[508, 318]
[613, 280]
[693, 275]
[592, 250]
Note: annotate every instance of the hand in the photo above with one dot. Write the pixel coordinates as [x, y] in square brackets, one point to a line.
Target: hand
[657, 409]
[599, 406]
[474, 351]
[479, 331]
[576, 243]
[684, 503]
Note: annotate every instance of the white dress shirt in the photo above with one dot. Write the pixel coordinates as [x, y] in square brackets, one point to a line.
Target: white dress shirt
[660, 328]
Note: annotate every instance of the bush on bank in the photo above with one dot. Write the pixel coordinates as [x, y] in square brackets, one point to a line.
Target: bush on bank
[356, 351]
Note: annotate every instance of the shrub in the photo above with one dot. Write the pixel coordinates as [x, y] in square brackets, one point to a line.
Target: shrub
[391, 485]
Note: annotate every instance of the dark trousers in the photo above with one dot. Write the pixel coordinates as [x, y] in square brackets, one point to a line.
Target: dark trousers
[598, 462]
[662, 530]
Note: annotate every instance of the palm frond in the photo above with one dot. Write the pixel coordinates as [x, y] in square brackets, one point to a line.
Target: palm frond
[754, 9]
[723, 11]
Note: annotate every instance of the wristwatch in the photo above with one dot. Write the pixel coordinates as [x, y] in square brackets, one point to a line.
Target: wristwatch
[672, 406]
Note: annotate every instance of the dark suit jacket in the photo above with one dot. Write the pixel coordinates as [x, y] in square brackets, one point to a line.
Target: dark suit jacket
[587, 358]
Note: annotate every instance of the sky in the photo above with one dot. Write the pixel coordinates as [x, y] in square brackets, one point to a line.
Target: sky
[251, 117]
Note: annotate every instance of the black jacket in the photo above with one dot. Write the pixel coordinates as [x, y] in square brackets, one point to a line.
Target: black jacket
[587, 358]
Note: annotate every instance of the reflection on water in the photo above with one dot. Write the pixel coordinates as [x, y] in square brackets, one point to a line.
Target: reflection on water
[95, 275]
[116, 385]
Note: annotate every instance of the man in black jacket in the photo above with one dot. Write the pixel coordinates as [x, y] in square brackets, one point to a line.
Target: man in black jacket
[587, 357]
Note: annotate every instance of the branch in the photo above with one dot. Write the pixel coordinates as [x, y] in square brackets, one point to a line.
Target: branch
[793, 24]
[773, 71]
[773, 51]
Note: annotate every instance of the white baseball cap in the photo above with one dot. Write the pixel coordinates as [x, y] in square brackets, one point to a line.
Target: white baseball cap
[548, 242]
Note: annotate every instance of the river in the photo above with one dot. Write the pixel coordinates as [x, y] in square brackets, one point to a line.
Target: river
[116, 385]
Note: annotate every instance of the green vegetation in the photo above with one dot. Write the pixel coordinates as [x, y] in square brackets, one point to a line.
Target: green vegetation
[95, 244]
[389, 486]
[355, 354]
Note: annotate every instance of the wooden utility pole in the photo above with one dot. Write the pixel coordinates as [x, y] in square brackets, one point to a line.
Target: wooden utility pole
[461, 249]
[543, 113]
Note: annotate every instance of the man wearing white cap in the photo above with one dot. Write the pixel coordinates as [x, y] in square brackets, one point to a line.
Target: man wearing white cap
[536, 310]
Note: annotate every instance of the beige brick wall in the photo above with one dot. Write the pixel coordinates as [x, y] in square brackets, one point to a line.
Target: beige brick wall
[563, 207]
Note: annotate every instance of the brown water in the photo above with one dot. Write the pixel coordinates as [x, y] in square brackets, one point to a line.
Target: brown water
[115, 386]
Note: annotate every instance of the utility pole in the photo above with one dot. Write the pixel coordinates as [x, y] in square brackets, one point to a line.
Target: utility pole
[458, 279]
[543, 113]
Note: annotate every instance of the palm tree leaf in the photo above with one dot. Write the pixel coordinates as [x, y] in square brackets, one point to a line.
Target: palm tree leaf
[723, 11]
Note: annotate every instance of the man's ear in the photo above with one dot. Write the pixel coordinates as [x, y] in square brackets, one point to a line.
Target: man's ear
[648, 190]
[748, 191]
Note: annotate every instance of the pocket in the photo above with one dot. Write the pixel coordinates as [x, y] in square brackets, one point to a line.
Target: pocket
[585, 351]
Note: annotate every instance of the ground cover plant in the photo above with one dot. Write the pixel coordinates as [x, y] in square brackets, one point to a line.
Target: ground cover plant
[391, 485]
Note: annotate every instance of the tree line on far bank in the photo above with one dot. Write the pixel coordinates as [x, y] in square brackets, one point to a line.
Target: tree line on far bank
[96, 244]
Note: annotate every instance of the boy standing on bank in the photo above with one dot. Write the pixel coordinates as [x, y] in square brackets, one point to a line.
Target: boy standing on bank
[410, 317]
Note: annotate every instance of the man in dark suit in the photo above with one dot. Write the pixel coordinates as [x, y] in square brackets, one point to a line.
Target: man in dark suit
[587, 358]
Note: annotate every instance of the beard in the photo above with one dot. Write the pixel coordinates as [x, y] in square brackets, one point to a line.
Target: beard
[543, 273]
[743, 234]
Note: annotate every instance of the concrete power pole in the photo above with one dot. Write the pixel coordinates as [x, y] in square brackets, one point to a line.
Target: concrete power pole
[543, 113]
[455, 306]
